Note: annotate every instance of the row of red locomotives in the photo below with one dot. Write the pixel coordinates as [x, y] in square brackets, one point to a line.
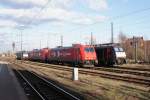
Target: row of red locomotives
[76, 54]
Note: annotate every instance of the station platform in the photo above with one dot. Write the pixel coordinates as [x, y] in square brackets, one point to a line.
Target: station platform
[10, 88]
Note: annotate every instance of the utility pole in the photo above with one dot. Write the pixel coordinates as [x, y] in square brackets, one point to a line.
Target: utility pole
[13, 46]
[21, 44]
[61, 40]
[40, 44]
[21, 40]
[145, 51]
[135, 48]
[112, 33]
[47, 40]
[91, 38]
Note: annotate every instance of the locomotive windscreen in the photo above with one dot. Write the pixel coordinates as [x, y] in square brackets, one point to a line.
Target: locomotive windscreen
[118, 49]
[121, 50]
[89, 49]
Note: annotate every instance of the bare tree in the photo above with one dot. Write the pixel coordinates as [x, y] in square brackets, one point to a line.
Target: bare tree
[148, 58]
[123, 41]
[122, 38]
[128, 45]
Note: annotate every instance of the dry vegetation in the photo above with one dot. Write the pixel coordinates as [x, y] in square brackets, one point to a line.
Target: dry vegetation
[142, 66]
[143, 48]
[93, 87]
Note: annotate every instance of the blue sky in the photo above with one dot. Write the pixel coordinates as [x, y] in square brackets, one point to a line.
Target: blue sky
[43, 23]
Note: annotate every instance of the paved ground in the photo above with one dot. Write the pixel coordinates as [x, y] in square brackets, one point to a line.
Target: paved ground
[9, 86]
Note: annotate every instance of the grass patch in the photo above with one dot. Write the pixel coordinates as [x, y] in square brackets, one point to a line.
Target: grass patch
[94, 87]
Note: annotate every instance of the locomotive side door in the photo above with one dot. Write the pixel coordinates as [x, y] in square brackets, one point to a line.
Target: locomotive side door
[108, 56]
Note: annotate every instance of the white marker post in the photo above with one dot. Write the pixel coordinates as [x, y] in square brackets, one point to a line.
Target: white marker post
[75, 74]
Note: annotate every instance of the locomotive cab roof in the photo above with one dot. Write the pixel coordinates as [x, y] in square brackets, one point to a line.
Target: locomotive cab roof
[73, 46]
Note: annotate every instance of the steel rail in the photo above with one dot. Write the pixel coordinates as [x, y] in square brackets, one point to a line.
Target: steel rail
[25, 79]
[102, 74]
[57, 88]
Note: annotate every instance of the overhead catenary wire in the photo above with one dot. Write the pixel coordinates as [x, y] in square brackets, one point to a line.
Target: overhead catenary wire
[98, 22]
[125, 15]
[75, 29]
[35, 16]
[114, 18]
[130, 13]
[38, 14]
[32, 20]
[134, 23]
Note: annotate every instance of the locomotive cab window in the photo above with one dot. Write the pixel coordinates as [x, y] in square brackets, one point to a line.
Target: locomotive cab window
[116, 49]
[86, 49]
[89, 49]
[121, 49]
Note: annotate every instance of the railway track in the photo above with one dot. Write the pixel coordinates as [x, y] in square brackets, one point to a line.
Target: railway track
[133, 76]
[38, 88]
[122, 70]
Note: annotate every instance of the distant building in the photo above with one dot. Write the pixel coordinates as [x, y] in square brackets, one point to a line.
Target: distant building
[140, 41]
[147, 50]
[143, 48]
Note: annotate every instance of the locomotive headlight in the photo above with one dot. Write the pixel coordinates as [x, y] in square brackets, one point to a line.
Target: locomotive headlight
[120, 55]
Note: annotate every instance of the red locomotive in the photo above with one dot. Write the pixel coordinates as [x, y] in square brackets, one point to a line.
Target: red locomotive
[38, 55]
[77, 54]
